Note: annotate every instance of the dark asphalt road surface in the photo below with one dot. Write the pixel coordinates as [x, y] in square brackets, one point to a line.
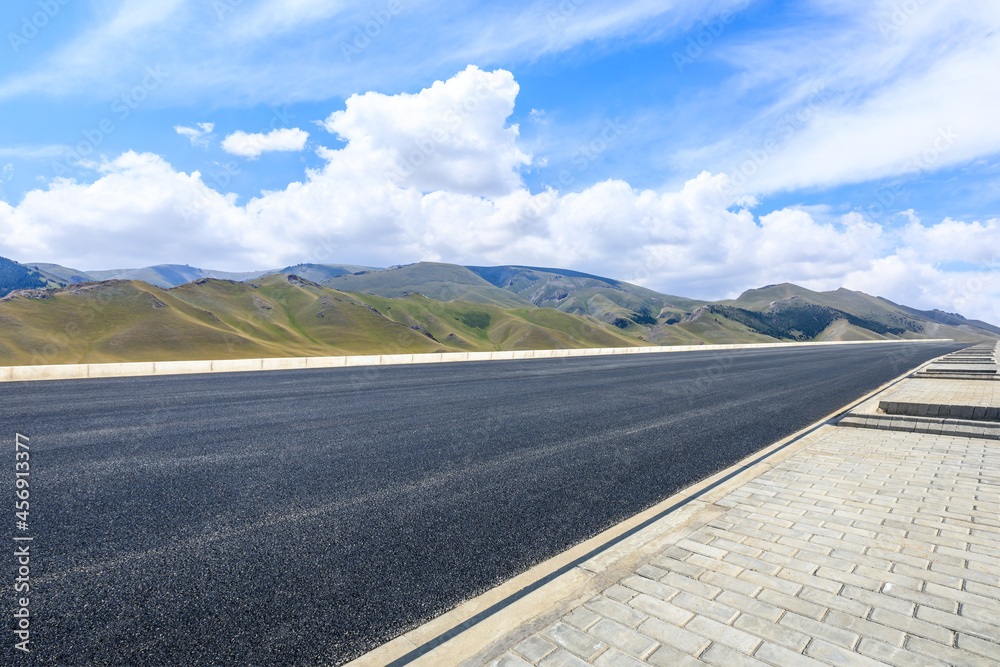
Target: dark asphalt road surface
[304, 517]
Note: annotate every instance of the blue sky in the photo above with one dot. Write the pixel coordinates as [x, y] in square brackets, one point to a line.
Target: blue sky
[697, 148]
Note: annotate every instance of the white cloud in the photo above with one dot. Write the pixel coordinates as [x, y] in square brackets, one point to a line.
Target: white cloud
[451, 136]
[196, 43]
[465, 203]
[873, 90]
[199, 135]
[252, 145]
[34, 152]
[105, 55]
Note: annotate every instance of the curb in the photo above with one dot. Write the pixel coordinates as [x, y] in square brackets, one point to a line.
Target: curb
[147, 368]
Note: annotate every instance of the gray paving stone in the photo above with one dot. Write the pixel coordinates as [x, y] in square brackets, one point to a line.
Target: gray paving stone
[833, 601]
[615, 658]
[669, 634]
[509, 660]
[782, 636]
[703, 607]
[650, 587]
[580, 643]
[921, 598]
[771, 583]
[893, 655]
[988, 649]
[690, 585]
[723, 634]
[865, 628]
[728, 583]
[947, 654]
[752, 563]
[665, 656]
[839, 655]
[984, 590]
[620, 593]
[670, 564]
[965, 597]
[581, 618]
[792, 604]
[913, 626]
[624, 614]
[708, 565]
[703, 549]
[650, 571]
[722, 656]
[534, 648]
[623, 637]
[561, 658]
[958, 623]
[751, 606]
[661, 609]
[780, 656]
[820, 631]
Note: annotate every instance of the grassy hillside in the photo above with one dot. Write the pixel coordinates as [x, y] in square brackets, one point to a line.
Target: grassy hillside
[625, 305]
[441, 282]
[320, 272]
[276, 316]
[479, 326]
[862, 311]
[60, 275]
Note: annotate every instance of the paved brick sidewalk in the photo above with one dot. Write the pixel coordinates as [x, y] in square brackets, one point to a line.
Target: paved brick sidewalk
[865, 547]
[946, 392]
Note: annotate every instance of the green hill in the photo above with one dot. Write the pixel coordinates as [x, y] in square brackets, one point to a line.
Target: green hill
[60, 275]
[441, 282]
[320, 272]
[276, 316]
[625, 305]
[480, 326]
[786, 302]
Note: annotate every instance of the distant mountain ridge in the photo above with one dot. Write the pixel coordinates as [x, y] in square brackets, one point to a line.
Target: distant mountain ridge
[173, 275]
[14, 276]
[310, 309]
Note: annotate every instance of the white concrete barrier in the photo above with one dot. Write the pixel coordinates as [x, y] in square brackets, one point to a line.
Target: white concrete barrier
[396, 359]
[141, 368]
[283, 364]
[362, 360]
[325, 362]
[178, 367]
[54, 372]
[234, 365]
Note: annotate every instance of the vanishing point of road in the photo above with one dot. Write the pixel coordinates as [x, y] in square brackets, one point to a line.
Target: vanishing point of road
[307, 516]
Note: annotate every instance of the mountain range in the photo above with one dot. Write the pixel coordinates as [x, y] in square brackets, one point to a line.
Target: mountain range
[54, 314]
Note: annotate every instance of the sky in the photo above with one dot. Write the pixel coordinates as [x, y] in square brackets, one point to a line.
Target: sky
[698, 149]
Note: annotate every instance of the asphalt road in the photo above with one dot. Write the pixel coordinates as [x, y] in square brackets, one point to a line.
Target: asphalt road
[304, 517]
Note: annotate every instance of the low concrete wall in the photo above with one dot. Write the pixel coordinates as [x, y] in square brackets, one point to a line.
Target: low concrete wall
[79, 371]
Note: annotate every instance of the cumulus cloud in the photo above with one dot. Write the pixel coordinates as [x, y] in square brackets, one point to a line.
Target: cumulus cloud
[436, 175]
[252, 145]
[452, 136]
[198, 135]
